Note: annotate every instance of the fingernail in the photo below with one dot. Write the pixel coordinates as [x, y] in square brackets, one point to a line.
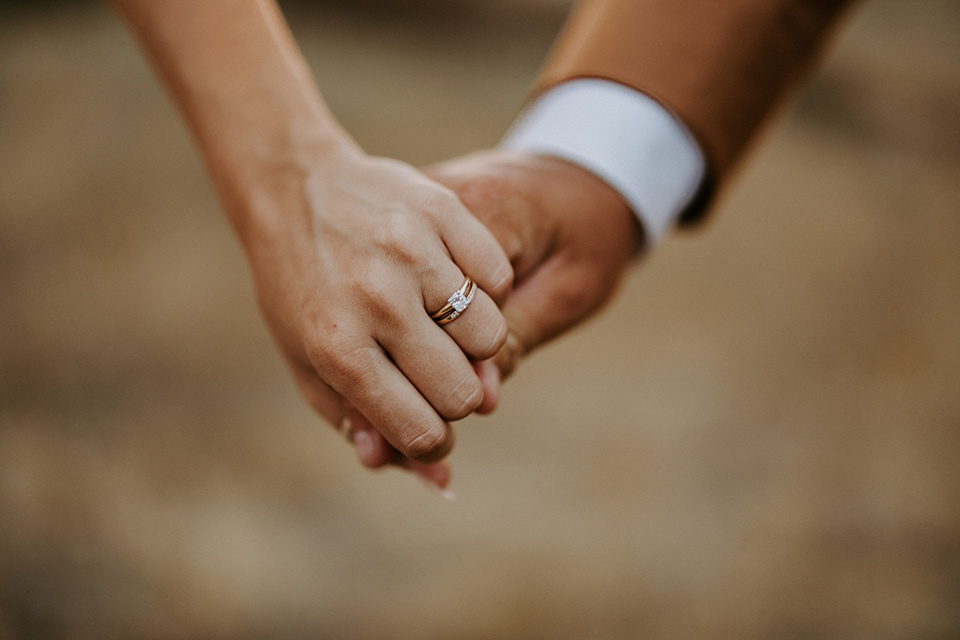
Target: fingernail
[446, 494]
[346, 428]
[364, 444]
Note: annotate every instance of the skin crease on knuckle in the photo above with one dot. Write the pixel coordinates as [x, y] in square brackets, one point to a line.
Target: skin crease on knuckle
[439, 203]
[502, 279]
[463, 399]
[496, 327]
[426, 446]
[345, 362]
[352, 369]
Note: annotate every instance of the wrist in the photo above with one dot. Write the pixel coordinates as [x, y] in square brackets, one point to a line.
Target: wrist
[623, 136]
[614, 223]
[245, 91]
[265, 191]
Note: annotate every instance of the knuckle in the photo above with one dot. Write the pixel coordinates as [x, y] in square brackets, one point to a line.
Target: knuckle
[501, 280]
[478, 191]
[494, 336]
[499, 338]
[401, 237]
[462, 399]
[439, 202]
[382, 308]
[430, 445]
[352, 365]
[321, 354]
[376, 293]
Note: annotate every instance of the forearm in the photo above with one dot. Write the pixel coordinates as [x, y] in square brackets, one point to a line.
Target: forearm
[719, 67]
[349, 252]
[245, 91]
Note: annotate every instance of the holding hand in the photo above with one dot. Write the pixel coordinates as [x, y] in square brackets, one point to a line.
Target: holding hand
[351, 254]
[569, 235]
[570, 238]
[359, 253]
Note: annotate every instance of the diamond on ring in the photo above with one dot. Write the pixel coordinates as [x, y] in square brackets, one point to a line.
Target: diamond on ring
[456, 303]
[459, 301]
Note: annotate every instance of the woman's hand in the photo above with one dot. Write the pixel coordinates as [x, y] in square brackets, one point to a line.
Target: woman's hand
[350, 255]
[569, 235]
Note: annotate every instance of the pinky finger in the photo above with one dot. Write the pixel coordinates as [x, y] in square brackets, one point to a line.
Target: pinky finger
[374, 452]
[436, 475]
[372, 448]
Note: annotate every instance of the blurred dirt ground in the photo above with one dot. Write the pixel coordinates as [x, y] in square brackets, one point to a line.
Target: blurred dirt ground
[760, 439]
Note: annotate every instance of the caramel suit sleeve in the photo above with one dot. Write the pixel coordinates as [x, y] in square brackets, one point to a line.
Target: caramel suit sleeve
[718, 65]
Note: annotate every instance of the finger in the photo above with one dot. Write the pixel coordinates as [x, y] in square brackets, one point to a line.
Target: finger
[474, 322]
[489, 374]
[475, 250]
[366, 377]
[374, 452]
[554, 297]
[509, 356]
[435, 365]
[490, 191]
[324, 400]
[435, 475]
[372, 448]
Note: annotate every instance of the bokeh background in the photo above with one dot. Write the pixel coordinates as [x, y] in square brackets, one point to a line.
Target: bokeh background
[759, 439]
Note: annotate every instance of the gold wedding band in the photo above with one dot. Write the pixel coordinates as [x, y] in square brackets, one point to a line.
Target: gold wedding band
[456, 303]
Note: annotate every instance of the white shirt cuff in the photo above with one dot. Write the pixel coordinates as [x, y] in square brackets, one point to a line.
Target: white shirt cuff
[623, 136]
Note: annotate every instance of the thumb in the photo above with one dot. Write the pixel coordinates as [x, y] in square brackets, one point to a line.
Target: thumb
[558, 294]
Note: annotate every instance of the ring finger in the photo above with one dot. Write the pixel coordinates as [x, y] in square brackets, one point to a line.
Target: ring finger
[469, 316]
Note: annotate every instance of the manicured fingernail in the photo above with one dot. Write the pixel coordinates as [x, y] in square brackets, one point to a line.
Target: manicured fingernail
[364, 443]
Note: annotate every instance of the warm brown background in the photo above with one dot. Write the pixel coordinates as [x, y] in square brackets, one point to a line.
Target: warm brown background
[761, 439]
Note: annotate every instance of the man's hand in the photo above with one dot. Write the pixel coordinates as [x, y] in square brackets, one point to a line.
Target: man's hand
[569, 235]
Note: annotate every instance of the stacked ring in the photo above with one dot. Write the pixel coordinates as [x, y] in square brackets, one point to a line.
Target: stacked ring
[456, 303]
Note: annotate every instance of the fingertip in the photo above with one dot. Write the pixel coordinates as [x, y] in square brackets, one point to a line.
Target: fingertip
[430, 446]
[509, 355]
[500, 282]
[475, 249]
[489, 374]
[372, 450]
[365, 447]
[435, 475]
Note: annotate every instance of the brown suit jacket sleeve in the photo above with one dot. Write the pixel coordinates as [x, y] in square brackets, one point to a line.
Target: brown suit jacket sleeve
[719, 65]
